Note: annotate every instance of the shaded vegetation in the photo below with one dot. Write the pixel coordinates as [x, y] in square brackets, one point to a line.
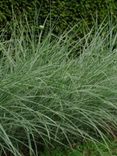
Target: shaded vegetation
[87, 149]
[61, 13]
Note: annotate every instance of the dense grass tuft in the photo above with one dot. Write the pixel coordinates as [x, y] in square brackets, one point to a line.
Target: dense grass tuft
[47, 96]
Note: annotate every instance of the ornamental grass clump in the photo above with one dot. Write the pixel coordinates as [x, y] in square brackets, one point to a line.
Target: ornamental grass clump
[48, 96]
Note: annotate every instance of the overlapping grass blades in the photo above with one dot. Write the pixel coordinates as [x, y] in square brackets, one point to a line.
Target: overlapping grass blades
[48, 96]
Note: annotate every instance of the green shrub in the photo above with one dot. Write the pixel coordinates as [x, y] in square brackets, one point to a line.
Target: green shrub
[63, 13]
[68, 13]
[10, 7]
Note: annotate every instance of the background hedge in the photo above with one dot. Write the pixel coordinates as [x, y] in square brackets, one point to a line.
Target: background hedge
[63, 13]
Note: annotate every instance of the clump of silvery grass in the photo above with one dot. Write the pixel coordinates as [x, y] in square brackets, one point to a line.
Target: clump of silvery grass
[48, 96]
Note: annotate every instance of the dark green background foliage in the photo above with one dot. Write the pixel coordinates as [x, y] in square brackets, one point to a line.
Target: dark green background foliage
[63, 13]
[8, 7]
[74, 11]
